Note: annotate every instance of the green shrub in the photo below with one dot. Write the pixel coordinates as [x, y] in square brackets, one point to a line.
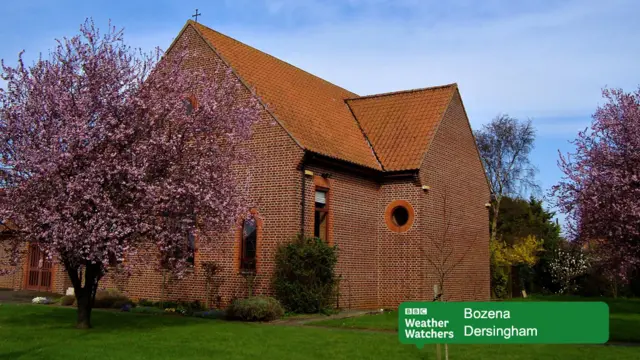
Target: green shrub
[499, 282]
[304, 279]
[110, 299]
[211, 314]
[145, 302]
[167, 304]
[105, 299]
[192, 306]
[255, 308]
[147, 310]
[182, 307]
[68, 300]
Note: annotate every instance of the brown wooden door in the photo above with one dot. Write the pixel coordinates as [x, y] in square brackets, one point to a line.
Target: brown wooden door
[38, 270]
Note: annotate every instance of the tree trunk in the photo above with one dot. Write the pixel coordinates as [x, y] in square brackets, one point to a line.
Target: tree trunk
[494, 220]
[84, 310]
[510, 281]
[85, 295]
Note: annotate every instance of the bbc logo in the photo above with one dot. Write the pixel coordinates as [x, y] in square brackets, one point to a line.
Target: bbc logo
[415, 311]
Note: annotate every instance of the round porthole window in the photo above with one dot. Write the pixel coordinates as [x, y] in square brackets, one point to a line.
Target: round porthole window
[399, 216]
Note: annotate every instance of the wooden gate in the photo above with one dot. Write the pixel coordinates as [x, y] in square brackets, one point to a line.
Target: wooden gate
[38, 270]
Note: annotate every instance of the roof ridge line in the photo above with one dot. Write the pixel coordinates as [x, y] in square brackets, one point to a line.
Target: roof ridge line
[271, 56]
[402, 92]
[366, 137]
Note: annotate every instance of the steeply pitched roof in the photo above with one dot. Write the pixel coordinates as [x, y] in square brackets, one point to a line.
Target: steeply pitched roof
[388, 132]
[311, 109]
[400, 125]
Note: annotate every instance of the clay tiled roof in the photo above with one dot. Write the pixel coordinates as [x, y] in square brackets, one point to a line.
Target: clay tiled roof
[311, 109]
[400, 125]
[386, 132]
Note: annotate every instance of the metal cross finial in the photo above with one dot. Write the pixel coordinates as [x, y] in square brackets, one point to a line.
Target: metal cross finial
[196, 15]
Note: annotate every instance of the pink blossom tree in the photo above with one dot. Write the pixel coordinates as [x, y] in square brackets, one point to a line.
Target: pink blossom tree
[600, 190]
[105, 150]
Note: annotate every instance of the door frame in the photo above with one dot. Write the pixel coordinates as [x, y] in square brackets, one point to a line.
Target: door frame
[44, 267]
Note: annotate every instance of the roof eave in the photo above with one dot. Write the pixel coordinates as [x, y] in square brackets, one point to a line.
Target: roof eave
[313, 158]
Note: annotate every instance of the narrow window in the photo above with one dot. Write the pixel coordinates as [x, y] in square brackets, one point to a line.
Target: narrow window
[248, 245]
[113, 260]
[320, 227]
[188, 105]
[191, 248]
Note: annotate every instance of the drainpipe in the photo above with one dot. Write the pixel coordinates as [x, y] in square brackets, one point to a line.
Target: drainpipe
[303, 202]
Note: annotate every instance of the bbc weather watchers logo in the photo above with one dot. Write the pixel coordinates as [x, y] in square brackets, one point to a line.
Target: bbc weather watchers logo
[487, 322]
[415, 311]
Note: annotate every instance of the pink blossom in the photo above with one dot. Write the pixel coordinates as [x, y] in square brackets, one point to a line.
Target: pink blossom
[99, 155]
[600, 191]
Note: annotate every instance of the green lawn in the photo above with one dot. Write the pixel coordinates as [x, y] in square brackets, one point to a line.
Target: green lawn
[624, 318]
[47, 332]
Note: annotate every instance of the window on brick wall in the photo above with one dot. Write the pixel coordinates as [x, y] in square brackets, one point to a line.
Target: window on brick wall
[191, 248]
[113, 260]
[399, 216]
[248, 245]
[190, 104]
[321, 216]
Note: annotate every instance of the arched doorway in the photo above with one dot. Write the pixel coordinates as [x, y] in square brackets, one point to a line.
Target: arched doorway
[38, 276]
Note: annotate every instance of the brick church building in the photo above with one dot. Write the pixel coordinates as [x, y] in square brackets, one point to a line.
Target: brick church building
[394, 180]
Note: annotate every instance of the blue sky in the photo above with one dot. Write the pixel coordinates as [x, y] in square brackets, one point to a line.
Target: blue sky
[545, 60]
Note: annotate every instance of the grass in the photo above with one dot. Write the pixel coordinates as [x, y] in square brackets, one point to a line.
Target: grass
[47, 332]
[624, 318]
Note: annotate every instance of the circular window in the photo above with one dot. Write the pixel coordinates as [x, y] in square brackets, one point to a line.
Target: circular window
[399, 216]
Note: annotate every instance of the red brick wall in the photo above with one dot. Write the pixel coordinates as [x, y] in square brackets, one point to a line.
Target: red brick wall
[8, 281]
[353, 230]
[400, 271]
[378, 267]
[274, 190]
[453, 170]
[16, 279]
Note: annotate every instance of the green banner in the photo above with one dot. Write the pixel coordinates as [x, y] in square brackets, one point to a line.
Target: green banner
[503, 323]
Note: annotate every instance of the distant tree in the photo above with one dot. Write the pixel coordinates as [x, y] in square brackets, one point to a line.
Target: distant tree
[505, 144]
[519, 219]
[523, 251]
[106, 150]
[567, 265]
[600, 190]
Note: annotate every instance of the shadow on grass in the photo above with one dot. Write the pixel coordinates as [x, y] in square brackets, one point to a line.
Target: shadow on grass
[12, 355]
[27, 316]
